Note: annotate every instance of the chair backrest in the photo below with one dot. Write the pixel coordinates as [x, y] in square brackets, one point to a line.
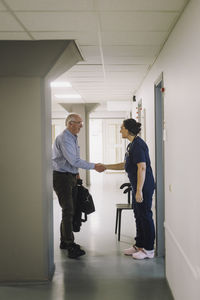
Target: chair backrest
[127, 190]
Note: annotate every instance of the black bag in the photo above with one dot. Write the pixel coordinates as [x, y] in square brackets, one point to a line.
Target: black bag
[84, 205]
[85, 199]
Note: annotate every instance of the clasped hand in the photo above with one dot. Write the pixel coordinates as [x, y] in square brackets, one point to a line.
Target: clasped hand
[99, 167]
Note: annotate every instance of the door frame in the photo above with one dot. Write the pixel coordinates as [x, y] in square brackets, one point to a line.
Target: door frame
[159, 165]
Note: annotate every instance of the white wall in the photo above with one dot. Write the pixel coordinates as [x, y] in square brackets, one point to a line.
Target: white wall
[26, 212]
[26, 192]
[180, 63]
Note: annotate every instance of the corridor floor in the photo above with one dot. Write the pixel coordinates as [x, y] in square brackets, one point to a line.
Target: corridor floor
[104, 273]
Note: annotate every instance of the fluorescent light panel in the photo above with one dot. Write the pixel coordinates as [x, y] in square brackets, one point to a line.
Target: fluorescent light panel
[68, 96]
[60, 84]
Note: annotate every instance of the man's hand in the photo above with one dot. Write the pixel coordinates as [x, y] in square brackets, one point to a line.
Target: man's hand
[78, 176]
[99, 167]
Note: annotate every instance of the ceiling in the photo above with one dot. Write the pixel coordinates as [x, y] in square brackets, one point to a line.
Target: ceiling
[119, 40]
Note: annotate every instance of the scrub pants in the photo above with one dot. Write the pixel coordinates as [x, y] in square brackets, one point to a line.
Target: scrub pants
[63, 184]
[145, 230]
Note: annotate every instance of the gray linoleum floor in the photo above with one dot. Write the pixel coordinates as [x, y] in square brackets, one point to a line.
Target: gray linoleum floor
[104, 273]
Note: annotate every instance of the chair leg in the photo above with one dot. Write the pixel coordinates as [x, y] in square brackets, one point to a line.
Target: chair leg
[119, 224]
[116, 222]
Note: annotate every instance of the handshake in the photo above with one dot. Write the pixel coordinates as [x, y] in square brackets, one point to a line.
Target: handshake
[99, 167]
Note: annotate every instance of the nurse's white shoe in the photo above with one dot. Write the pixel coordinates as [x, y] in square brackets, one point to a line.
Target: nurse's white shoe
[130, 251]
[142, 254]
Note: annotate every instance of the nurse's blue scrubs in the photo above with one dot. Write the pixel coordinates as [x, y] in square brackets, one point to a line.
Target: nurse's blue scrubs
[138, 152]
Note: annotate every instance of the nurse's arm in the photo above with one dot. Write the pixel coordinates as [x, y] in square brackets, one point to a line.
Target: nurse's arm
[141, 173]
[119, 166]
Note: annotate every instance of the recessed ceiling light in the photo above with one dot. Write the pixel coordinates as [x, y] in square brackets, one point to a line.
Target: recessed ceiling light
[68, 96]
[60, 84]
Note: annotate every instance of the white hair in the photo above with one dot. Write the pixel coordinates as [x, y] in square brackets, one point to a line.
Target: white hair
[71, 117]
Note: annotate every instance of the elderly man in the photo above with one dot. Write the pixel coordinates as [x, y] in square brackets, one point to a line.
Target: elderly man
[66, 162]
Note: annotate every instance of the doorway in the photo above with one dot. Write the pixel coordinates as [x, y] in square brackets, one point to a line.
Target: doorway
[106, 144]
[142, 120]
[159, 166]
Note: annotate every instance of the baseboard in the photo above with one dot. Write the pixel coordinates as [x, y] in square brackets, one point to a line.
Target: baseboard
[195, 271]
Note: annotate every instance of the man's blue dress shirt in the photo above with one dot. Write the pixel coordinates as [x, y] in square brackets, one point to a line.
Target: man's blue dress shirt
[66, 154]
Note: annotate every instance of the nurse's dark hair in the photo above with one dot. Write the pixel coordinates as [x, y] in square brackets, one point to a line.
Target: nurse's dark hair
[132, 126]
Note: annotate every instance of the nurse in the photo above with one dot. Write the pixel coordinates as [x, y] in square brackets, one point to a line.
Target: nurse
[138, 167]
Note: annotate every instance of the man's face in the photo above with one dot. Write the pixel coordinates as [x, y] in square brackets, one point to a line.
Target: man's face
[75, 125]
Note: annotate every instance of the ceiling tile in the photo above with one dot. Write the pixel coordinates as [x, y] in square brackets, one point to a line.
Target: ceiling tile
[98, 85]
[55, 100]
[133, 38]
[63, 90]
[118, 76]
[80, 80]
[83, 38]
[125, 85]
[90, 91]
[118, 51]
[90, 50]
[8, 23]
[114, 5]
[66, 76]
[130, 50]
[126, 68]
[118, 60]
[50, 5]
[92, 75]
[137, 21]
[86, 68]
[70, 21]
[91, 60]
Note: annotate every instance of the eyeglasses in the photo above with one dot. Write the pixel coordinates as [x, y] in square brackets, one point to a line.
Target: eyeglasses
[78, 122]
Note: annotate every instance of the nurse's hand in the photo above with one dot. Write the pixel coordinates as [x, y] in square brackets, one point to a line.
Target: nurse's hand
[139, 197]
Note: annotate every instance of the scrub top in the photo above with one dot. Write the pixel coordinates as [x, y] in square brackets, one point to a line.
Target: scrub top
[138, 152]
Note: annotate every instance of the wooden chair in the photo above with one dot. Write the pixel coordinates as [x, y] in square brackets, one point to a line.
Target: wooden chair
[122, 206]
